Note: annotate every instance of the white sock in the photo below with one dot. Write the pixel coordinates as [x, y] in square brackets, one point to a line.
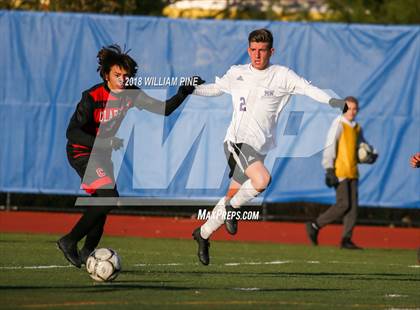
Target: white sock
[215, 220]
[245, 193]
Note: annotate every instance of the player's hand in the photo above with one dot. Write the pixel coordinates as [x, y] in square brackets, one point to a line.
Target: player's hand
[117, 143]
[339, 104]
[415, 161]
[330, 178]
[109, 143]
[189, 89]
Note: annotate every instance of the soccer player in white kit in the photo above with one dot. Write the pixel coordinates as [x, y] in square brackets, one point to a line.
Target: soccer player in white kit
[259, 93]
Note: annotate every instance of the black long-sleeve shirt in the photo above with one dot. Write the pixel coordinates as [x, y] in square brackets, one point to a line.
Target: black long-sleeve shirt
[100, 113]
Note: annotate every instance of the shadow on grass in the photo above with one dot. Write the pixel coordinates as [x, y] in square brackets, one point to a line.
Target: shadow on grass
[346, 275]
[96, 287]
[13, 241]
[115, 286]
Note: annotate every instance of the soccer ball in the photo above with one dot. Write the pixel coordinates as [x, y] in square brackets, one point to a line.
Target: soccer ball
[103, 265]
[364, 152]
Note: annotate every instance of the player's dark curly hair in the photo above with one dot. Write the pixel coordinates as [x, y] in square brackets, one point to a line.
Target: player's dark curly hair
[261, 35]
[113, 55]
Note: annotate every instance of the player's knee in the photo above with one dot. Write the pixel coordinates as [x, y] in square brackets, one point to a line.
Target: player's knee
[261, 181]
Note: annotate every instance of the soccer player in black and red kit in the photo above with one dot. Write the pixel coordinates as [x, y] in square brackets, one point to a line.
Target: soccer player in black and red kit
[91, 139]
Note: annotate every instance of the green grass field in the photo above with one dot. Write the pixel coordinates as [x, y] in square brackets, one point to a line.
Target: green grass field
[162, 273]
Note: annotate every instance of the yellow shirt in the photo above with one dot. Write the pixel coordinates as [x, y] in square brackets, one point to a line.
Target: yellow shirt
[346, 161]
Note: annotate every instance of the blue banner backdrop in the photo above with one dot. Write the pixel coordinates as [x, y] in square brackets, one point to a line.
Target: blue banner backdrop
[47, 60]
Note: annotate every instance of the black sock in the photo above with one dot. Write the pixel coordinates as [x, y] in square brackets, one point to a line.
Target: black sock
[88, 221]
[95, 234]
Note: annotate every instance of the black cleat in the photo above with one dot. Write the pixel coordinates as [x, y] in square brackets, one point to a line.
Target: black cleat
[203, 247]
[312, 232]
[69, 249]
[231, 223]
[84, 254]
[349, 245]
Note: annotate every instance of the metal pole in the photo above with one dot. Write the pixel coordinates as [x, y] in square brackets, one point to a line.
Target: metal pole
[264, 211]
[8, 199]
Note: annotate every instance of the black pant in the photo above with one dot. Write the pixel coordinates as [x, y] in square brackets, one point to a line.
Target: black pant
[93, 220]
[345, 207]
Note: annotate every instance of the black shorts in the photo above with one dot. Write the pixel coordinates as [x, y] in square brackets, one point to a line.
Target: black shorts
[240, 156]
[96, 172]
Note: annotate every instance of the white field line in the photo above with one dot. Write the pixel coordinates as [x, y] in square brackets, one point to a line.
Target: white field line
[277, 262]
[258, 263]
[169, 264]
[34, 267]
[227, 264]
[246, 289]
[395, 295]
[368, 263]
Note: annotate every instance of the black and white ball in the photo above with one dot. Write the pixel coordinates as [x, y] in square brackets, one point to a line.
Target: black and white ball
[364, 153]
[103, 265]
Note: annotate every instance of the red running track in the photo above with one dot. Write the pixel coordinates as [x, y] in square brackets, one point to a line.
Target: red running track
[165, 227]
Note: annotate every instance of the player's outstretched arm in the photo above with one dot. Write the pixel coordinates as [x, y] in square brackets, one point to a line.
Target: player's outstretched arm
[219, 87]
[143, 101]
[298, 85]
[208, 90]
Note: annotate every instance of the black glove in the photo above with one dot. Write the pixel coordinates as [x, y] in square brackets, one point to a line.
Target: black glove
[189, 89]
[371, 158]
[330, 178]
[117, 143]
[108, 143]
[339, 104]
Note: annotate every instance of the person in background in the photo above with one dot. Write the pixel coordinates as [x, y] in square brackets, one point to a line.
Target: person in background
[340, 159]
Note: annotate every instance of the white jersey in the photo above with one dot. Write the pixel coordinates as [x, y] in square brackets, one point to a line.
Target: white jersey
[258, 97]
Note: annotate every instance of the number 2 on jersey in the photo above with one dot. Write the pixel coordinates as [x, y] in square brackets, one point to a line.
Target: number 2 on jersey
[242, 104]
